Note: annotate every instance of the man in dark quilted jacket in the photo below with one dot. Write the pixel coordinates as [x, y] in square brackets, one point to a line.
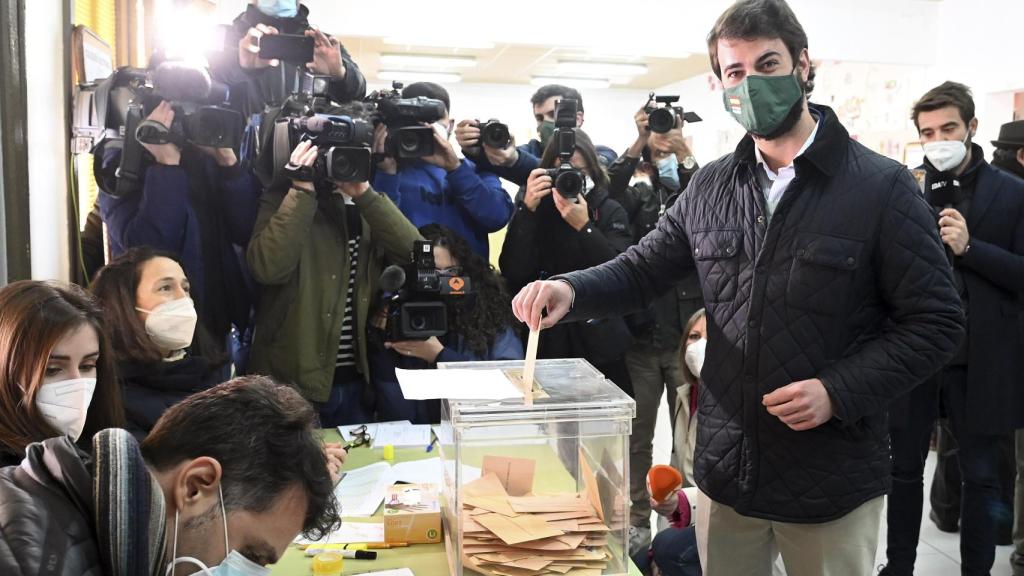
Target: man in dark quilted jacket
[828, 295]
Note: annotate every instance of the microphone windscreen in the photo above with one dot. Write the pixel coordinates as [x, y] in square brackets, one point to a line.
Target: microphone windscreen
[181, 82]
[392, 278]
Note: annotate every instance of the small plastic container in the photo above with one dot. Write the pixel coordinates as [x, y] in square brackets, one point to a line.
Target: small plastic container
[577, 433]
[328, 564]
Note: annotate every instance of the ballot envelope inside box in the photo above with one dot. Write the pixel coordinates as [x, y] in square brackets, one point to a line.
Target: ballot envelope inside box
[553, 495]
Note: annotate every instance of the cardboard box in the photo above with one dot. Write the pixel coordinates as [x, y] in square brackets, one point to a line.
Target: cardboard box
[412, 514]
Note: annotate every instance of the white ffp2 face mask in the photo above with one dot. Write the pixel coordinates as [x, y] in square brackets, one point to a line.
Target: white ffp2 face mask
[695, 356]
[946, 155]
[172, 325]
[65, 404]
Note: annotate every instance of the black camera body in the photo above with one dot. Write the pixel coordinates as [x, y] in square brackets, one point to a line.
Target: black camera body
[129, 95]
[494, 134]
[407, 137]
[418, 306]
[661, 114]
[343, 146]
[567, 181]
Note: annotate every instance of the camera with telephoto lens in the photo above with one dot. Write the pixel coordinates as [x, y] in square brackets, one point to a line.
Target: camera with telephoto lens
[129, 95]
[661, 114]
[404, 117]
[343, 147]
[494, 134]
[567, 181]
[417, 308]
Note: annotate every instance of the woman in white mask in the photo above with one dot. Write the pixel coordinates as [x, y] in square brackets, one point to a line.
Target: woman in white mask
[694, 343]
[56, 374]
[163, 354]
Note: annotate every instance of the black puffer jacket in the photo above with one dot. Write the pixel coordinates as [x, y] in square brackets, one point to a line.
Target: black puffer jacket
[47, 513]
[848, 284]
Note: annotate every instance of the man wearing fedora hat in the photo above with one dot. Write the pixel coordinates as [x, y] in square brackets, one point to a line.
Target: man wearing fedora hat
[980, 213]
[1009, 155]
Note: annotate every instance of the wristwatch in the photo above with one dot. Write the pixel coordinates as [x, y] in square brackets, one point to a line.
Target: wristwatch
[689, 162]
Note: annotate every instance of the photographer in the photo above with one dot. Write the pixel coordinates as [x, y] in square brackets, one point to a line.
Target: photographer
[479, 328]
[257, 83]
[317, 252]
[194, 202]
[646, 180]
[441, 188]
[516, 163]
[550, 234]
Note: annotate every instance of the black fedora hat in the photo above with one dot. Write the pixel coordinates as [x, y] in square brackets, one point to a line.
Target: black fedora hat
[1011, 135]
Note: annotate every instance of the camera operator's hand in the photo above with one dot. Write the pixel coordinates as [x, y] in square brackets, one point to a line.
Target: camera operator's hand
[671, 142]
[249, 48]
[506, 156]
[225, 157]
[643, 134]
[555, 296]
[575, 213]
[351, 189]
[380, 138]
[426, 350]
[538, 185]
[303, 155]
[166, 154]
[444, 155]
[467, 134]
[326, 55]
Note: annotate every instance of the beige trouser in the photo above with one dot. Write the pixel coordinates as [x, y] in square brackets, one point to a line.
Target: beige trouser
[732, 544]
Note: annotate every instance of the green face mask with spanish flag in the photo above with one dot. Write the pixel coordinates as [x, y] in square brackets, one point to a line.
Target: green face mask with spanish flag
[761, 103]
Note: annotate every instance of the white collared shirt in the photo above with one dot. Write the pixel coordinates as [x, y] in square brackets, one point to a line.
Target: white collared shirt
[776, 183]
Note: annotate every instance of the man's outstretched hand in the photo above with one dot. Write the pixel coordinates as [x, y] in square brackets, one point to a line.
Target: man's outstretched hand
[554, 296]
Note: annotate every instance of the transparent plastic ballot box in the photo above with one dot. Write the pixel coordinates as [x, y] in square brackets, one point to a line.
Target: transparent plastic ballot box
[541, 489]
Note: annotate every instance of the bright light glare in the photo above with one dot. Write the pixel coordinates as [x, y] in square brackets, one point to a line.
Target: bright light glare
[186, 33]
[408, 76]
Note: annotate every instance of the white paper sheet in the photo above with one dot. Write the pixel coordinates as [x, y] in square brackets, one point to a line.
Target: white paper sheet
[396, 572]
[429, 471]
[371, 428]
[402, 434]
[362, 490]
[456, 384]
[350, 532]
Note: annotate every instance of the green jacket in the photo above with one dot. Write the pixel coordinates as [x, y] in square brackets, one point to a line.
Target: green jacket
[299, 256]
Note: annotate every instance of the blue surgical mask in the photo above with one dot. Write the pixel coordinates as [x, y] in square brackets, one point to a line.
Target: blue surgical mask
[234, 563]
[668, 172]
[279, 8]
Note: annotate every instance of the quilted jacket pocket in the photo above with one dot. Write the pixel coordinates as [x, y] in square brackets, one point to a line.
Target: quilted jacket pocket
[823, 272]
[717, 253]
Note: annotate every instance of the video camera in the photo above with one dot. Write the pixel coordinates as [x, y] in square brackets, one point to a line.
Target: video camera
[417, 308]
[494, 134]
[661, 114]
[407, 137]
[129, 95]
[567, 181]
[343, 147]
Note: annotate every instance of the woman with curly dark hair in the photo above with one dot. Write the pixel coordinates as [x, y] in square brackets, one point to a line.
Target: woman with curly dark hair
[480, 327]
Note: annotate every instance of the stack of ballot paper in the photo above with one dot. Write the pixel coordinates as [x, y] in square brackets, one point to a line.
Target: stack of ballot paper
[507, 530]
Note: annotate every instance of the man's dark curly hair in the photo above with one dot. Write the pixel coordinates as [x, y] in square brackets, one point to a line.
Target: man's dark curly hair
[265, 437]
[486, 314]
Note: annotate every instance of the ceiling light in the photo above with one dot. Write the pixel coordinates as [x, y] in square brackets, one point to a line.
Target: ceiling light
[427, 61]
[409, 76]
[449, 42]
[598, 83]
[601, 69]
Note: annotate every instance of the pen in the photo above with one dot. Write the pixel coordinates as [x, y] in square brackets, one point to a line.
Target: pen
[358, 554]
[430, 446]
[388, 545]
